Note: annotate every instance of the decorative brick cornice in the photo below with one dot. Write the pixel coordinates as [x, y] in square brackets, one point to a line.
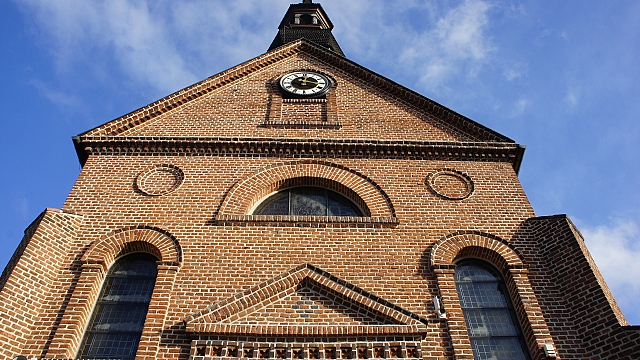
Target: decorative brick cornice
[298, 148]
[302, 124]
[306, 329]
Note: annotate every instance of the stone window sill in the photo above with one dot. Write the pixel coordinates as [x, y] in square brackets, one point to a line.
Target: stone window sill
[306, 221]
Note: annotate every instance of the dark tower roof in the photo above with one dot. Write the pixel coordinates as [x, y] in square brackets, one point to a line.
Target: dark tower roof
[306, 21]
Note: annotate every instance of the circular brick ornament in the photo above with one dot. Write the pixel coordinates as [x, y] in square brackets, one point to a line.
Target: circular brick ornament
[159, 180]
[450, 184]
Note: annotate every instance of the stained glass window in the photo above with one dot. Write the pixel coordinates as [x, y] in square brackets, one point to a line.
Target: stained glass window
[308, 201]
[118, 318]
[493, 327]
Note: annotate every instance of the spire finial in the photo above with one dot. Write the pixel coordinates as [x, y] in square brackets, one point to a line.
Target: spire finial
[307, 1]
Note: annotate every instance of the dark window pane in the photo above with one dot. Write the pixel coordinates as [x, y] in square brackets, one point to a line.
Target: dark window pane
[490, 322]
[341, 206]
[130, 289]
[118, 319]
[308, 201]
[497, 349]
[481, 295]
[475, 274]
[277, 204]
[111, 346]
[489, 314]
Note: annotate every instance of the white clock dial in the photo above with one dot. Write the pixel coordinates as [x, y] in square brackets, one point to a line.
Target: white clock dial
[304, 83]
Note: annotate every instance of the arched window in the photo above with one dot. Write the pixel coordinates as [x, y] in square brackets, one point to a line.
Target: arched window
[118, 318]
[308, 201]
[493, 327]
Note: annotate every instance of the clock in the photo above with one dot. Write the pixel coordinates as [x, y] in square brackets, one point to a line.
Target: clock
[305, 84]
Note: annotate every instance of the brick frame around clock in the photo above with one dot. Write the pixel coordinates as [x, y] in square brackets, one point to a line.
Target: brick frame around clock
[328, 103]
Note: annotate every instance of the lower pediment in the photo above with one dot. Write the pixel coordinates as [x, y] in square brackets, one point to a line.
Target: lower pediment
[304, 302]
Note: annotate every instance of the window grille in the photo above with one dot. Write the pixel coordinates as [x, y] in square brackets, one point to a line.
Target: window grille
[116, 325]
[308, 201]
[493, 327]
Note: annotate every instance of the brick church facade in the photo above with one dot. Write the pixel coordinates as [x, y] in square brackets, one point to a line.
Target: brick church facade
[301, 206]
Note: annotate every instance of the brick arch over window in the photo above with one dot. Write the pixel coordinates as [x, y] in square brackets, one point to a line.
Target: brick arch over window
[360, 189]
[154, 241]
[96, 262]
[475, 245]
[497, 252]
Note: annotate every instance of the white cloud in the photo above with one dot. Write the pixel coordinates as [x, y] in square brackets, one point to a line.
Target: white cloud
[616, 251]
[423, 40]
[461, 30]
[457, 41]
[167, 45]
[159, 44]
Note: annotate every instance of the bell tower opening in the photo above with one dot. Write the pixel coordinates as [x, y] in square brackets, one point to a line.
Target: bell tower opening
[306, 20]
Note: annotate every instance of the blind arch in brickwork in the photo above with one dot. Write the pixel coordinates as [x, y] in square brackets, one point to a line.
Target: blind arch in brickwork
[139, 239]
[475, 245]
[246, 193]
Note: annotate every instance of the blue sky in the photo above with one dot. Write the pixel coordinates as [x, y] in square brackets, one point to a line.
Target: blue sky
[561, 77]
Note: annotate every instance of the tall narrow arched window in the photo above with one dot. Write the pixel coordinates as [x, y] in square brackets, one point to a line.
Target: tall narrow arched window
[308, 201]
[494, 330]
[118, 318]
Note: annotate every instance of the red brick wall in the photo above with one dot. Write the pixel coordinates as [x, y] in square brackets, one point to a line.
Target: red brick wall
[390, 262]
[36, 283]
[582, 315]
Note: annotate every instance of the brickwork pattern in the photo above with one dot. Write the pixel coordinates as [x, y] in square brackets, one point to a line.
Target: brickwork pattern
[583, 317]
[206, 350]
[35, 290]
[217, 261]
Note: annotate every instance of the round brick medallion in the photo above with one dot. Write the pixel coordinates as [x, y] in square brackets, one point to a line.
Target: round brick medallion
[159, 180]
[450, 184]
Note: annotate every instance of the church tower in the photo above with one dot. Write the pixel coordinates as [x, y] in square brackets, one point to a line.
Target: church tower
[301, 206]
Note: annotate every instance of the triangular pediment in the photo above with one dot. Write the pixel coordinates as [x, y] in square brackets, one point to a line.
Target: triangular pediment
[230, 104]
[305, 301]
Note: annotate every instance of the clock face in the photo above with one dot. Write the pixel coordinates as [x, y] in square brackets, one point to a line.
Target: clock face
[304, 83]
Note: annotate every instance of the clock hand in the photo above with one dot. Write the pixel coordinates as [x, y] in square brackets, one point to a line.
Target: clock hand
[312, 82]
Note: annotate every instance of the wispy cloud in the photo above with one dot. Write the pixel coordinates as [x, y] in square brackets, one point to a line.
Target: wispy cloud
[447, 41]
[516, 71]
[520, 106]
[57, 97]
[168, 45]
[616, 251]
[21, 207]
[161, 44]
[572, 97]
